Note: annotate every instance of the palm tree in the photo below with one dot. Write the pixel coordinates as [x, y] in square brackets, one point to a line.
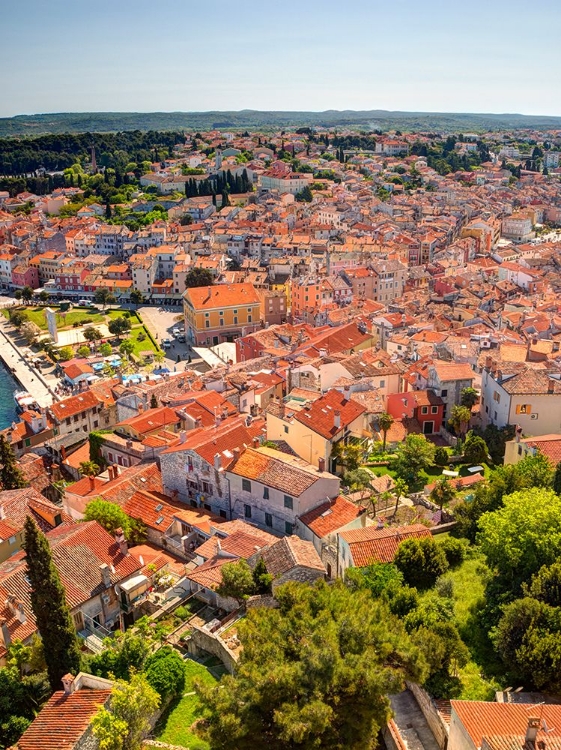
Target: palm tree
[442, 493]
[400, 488]
[459, 419]
[89, 469]
[469, 397]
[385, 421]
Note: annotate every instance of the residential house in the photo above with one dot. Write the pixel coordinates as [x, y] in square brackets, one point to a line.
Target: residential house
[271, 489]
[448, 380]
[425, 407]
[290, 559]
[82, 413]
[221, 312]
[358, 548]
[519, 448]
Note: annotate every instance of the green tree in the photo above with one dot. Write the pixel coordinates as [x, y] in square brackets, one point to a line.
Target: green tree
[11, 476]
[165, 672]
[127, 347]
[523, 535]
[119, 326]
[89, 469]
[441, 456]
[469, 397]
[43, 296]
[27, 294]
[358, 480]
[443, 492]
[83, 351]
[385, 422]
[459, 418]
[415, 454]
[103, 296]
[535, 471]
[109, 515]
[123, 654]
[65, 353]
[313, 673]
[136, 297]
[51, 611]
[237, 581]
[455, 550]
[305, 195]
[399, 490]
[349, 455]
[546, 585]
[105, 349]
[127, 723]
[199, 277]
[475, 449]
[557, 479]
[421, 561]
[262, 579]
[92, 334]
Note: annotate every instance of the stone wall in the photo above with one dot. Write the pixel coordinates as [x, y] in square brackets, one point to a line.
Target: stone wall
[427, 705]
[202, 640]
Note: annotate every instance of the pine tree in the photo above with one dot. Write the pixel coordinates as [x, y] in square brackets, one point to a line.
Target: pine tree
[108, 210]
[48, 601]
[557, 479]
[11, 476]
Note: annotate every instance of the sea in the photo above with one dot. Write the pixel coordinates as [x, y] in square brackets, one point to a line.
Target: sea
[7, 405]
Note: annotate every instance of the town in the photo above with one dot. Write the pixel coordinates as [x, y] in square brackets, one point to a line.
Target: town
[283, 465]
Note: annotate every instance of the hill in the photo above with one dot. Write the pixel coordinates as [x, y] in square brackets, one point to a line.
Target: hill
[100, 122]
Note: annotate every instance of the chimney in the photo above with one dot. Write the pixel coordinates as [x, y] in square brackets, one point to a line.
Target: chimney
[68, 684]
[488, 361]
[337, 419]
[115, 471]
[182, 436]
[321, 464]
[208, 295]
[6, 637]
[236, 454]
[105, 575]
[121, 541]
[499, 375]
[63, 452]
[129, 444]
[550, 385]
[217, 461]
[92, 483]
[255, 442]
[2, 513]
[532, 730]
[19, 611]
[347, 392]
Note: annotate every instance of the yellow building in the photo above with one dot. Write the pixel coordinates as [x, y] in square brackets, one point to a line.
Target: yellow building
[222, 312]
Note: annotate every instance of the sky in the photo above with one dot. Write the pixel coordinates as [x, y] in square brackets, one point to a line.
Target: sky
[191, 55]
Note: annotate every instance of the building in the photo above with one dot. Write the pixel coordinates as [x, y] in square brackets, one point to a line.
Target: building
[423, 406]
[448, 380]
[82, 413]
[271, 489]
[220, 313]
[517, 227]
[360, 547]
[290, 559]
[519, 448]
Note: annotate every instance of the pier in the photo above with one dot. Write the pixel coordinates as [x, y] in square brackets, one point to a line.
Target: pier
[23, 371]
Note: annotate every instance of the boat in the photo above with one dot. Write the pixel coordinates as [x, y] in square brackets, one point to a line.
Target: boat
[24, 400]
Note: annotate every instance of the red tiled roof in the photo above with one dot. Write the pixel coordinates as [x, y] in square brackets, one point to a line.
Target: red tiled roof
[240, 544]
[371, 544]
[152, 419]
[549, 445]
[288, 553]
[482, 719]
[331, 516]
[320, 415]
[222, 295]
[63, 720]
[447, 371]
[209, 574]
[74, 405]
[278, 470]
[153, 512]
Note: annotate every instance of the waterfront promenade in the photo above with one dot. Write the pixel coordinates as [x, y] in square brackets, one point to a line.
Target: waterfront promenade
[30, 378]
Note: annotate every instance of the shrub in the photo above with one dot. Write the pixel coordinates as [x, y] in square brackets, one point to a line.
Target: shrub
[445, 587]
[165, 672]
[421, 561]
[441, 456]
[141, 336]
[455, 550]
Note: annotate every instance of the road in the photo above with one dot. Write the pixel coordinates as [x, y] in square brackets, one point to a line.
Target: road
[160, 321]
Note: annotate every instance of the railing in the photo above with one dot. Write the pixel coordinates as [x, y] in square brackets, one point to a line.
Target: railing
[95, 628]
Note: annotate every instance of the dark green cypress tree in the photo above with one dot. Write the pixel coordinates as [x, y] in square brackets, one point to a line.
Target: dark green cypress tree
[51, 611]
[11, 476]
[557, 479]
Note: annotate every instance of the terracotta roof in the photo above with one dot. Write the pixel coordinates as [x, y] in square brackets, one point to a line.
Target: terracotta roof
[549, 445]
[320, 415]
[447, 371]
[288, 553]
[531, 382]
[221, 295]
[278, 470]
[239, 544]
[74, 405]
[18, 504]
[371, 544]
[329, 517]
[198, 518]
[209, 574]
[150, 420]
[481, 719]
[63, 720]
[151, 510]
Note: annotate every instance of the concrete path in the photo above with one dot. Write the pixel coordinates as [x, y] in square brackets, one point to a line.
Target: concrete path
[30, 378]
[411, 723]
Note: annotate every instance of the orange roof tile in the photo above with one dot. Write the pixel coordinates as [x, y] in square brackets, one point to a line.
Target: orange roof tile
[329, 517]
[371, 544]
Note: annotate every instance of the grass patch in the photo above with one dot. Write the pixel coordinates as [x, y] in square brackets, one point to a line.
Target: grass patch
[65, 320]
[141, 346]
[174, 727]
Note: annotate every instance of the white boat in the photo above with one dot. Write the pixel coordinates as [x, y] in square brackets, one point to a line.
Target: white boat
[24, 400]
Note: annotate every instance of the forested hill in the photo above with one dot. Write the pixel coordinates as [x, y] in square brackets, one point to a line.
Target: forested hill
[104, 122]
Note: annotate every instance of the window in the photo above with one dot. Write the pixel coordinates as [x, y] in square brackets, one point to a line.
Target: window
[247, 511]
[288, 502]
[246, 485]
[207, 488]
[269, 520]
[12, 540]
[444, 392]
[286, 429]
[221, 321]
[434, 410]
[382, 383]
[265, 493]
[249, 318]
[523, 408]
[207, 323]
[235, 320]
[222, 514]
[497, 397]
[424, 409]
[288, 527]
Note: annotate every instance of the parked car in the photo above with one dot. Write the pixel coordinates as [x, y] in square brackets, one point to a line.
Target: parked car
[86, 303]
[166, 343]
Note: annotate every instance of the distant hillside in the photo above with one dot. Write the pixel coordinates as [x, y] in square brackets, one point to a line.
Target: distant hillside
[99, 122]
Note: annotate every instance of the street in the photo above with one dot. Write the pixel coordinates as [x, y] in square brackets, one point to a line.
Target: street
[160, 321]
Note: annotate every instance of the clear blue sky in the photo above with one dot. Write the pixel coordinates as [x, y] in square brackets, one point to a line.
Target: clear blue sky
[166, 55]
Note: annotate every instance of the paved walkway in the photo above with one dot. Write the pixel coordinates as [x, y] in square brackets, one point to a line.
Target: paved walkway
[411, 723]
[30, 378]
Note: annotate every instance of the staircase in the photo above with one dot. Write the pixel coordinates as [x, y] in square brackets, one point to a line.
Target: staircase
[92, 642]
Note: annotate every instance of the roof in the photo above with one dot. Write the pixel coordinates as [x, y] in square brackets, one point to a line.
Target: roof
[371, 544]
[531, 382]
[18, 504]
[239, 544]
[153, 511]
[329, 517]
[288, 553]
[320, 415]
[73, 405]
[482, 719]
[63, 720]
[451, 371]
[221, 295]
[549, 445]
[278, 470]
[150, 420]
[209, 574]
